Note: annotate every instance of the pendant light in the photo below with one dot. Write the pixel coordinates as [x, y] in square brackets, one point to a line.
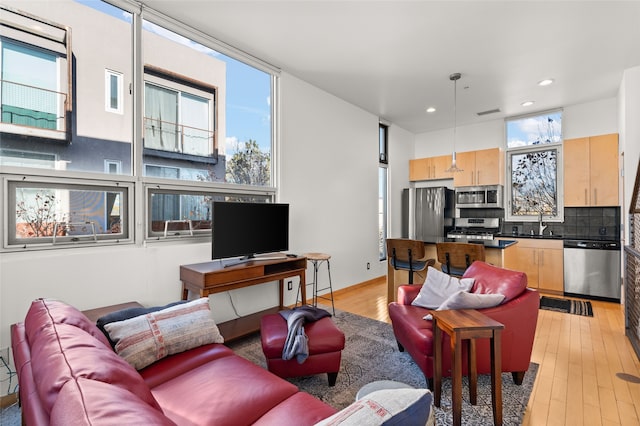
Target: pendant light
[454, 167]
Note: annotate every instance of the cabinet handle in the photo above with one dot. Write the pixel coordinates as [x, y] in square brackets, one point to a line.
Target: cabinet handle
[541, 258]
[478, 177]
[595, 196]
[434, 172]
[586, 197]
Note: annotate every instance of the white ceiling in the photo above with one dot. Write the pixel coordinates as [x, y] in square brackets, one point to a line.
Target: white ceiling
[394, 58]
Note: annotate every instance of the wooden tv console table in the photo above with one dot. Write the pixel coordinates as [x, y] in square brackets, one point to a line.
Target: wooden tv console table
[213, 277]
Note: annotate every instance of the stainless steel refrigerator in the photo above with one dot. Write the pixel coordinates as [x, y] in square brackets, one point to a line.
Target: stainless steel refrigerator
[427, 213]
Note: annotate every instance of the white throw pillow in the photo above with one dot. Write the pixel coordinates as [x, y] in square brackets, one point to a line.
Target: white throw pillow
[388, 407]
[438, 287]
[465, 300]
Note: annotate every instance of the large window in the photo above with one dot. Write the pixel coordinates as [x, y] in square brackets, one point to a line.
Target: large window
[383, 136]
[175, 114]
[178, 212]
[534, 156]
[67, 212]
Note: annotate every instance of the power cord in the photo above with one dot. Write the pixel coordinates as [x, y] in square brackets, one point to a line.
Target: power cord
[10, 375]
[233, 306]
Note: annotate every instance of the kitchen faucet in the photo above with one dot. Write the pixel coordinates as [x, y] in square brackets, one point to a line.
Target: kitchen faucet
[541, 225]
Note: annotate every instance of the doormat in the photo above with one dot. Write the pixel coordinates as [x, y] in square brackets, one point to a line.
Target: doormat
[576, 307]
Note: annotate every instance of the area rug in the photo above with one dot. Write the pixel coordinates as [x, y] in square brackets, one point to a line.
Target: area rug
[576, 307]
[371, 354]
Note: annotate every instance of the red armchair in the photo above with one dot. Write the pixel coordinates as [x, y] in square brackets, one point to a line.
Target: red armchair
[518, 312]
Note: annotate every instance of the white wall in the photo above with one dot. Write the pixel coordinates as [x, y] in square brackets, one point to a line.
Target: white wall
[629, 101]
[489, 134]
[588, 119]
[401, 145]
[329, 165]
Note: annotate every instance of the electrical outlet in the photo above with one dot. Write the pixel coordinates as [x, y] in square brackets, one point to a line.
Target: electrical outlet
[368, 266]
[289, 285]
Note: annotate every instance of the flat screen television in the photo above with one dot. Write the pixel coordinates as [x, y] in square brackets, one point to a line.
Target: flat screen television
[247, 229]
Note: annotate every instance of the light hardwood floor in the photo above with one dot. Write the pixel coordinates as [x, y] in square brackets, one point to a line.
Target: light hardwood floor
[588, 375]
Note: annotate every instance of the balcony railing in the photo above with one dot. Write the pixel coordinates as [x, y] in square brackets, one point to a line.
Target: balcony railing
[632, 297]
[175, 137]
[32, 107]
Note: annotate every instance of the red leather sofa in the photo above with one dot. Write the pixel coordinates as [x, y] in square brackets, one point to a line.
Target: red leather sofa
[69, 375]
[518, 312]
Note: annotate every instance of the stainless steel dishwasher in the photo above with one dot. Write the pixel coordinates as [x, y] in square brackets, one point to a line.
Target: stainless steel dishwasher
[592, 268]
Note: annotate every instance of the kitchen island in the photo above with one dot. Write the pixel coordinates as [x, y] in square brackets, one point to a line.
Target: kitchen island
[495, 251]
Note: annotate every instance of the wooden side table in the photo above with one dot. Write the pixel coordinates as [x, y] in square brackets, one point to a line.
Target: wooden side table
[467, 324]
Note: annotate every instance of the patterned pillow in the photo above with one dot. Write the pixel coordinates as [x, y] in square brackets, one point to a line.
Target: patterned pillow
[388, 407]
[125, 314]
[438, 287]
[144, 339]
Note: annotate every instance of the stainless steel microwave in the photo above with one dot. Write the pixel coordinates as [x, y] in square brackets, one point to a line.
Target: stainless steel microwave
[479, 196]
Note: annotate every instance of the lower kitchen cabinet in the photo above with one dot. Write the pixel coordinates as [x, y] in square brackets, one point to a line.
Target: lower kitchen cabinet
[541, 260]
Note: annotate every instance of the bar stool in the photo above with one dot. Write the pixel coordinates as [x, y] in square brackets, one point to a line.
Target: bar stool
[455, 258]
[316, 260]
[408, 255]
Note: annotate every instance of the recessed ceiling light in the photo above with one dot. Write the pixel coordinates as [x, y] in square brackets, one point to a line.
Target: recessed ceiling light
[527, 103]
[431, 109]
[545, 82]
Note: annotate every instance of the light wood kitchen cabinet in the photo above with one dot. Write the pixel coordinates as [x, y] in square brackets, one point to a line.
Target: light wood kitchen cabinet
[591, 171]
[430, 168]
[419, 169]
[482, 167]
[542, 261]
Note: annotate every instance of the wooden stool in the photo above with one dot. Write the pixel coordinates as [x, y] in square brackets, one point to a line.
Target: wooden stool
[316, 260]
[460, 325]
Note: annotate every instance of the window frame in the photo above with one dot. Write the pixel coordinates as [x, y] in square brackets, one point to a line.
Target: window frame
[11, 242]
[383, 190]
[534, 148]
[137, 184]
[206, 189]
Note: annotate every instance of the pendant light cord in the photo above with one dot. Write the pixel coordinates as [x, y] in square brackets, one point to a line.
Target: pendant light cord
[454, 77]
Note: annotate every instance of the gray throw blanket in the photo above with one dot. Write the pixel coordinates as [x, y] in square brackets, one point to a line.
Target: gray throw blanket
[297, 343]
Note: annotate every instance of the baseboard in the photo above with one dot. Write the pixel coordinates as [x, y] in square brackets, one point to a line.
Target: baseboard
[355, 287]
[8, 400]
[362, 284]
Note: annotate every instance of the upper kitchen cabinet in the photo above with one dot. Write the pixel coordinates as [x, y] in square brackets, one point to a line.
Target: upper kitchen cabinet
[482, 167]
[430, 168]
[591, 171]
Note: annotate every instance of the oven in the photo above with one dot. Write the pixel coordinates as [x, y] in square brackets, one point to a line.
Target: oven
[474, 228]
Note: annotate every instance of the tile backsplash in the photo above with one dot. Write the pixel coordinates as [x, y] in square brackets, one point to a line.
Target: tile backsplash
[580, 222]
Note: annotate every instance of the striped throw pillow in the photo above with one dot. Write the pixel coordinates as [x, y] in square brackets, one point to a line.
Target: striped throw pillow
[144, 339]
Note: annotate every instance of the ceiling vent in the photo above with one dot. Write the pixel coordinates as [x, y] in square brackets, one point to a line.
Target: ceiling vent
[489, 111]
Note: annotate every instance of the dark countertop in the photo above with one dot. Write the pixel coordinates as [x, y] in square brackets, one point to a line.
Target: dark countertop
[534, 236]
[497, 244]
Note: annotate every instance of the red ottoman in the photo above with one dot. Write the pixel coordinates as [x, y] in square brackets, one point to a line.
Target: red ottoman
[326, 342]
